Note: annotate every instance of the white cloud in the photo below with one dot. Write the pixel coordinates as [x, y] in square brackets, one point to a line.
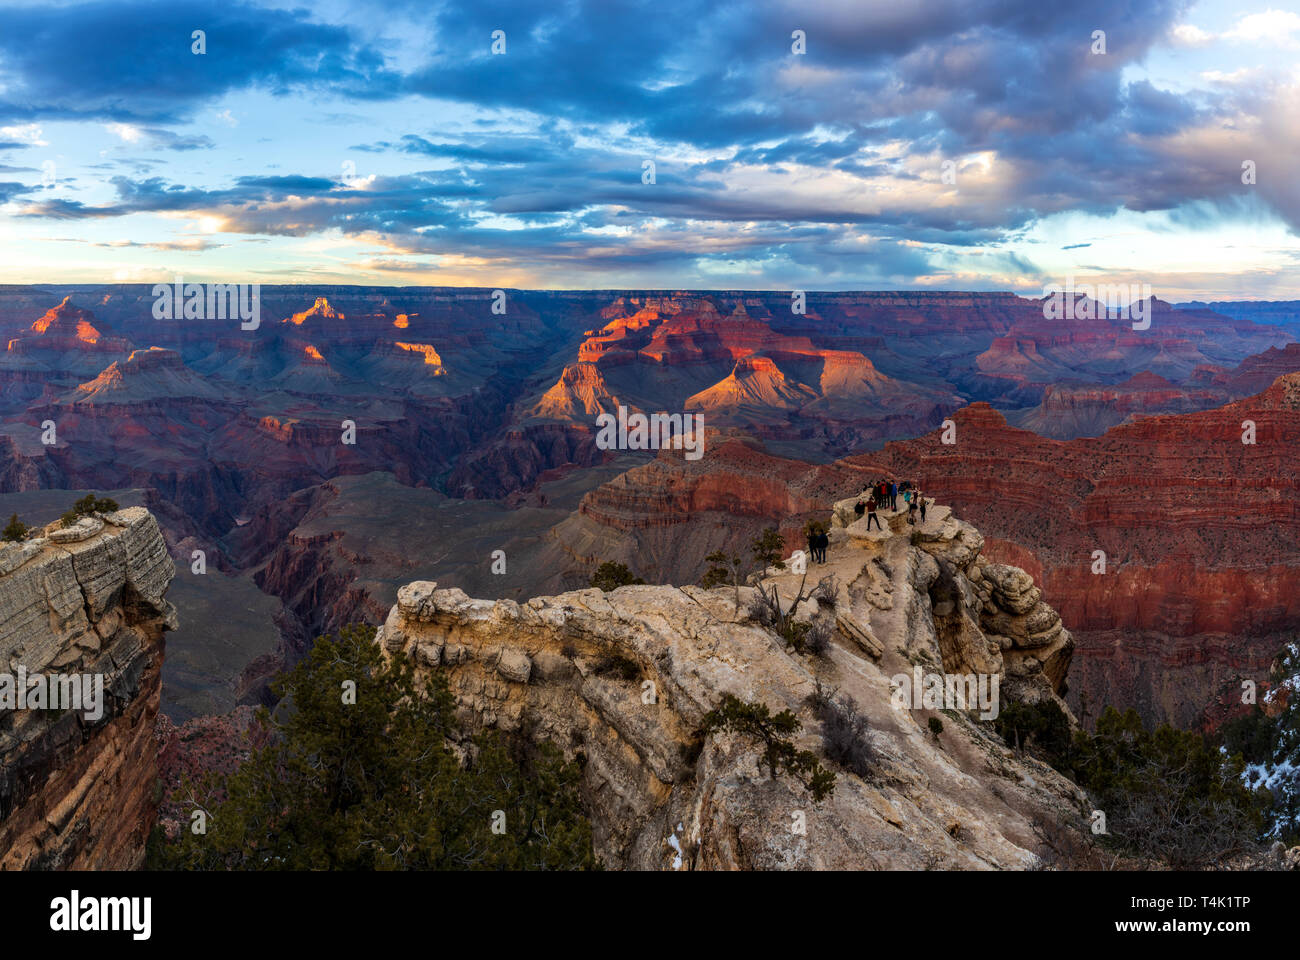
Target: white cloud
[126, 131]
[1187, 35]
[1236, 78]
[1277, 27]
[28, 133]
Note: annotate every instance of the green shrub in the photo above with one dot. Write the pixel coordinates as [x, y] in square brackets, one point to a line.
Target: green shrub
[87, 505]
[1169, 796]
[610, 576]
[1042, 728]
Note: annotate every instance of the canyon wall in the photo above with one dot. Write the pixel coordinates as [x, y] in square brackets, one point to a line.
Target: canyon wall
[1199, 531]
[78, 791]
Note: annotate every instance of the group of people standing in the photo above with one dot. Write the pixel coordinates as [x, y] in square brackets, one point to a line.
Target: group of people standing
[883, 495]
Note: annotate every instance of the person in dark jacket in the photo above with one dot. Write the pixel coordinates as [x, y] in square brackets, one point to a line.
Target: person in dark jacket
[823, 541]
[921, 497]
[871, 514]
[893, 495]
[859, 508]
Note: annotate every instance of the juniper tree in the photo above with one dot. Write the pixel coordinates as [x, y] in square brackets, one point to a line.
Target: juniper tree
[768, 548]
[610, 576]
[14, 530]
[779, 754]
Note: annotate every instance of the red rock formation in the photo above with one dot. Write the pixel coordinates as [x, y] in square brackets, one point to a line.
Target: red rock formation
[756, 381]
[67, 327]
[65, 341]
[727, 358]
[1257, 372]
[153, 374]
[1200, 533]
[1077, 410]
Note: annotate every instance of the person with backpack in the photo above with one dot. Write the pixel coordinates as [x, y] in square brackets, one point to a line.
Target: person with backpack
[922, 499]
[859, 508]
[823, 541]
[871, 514]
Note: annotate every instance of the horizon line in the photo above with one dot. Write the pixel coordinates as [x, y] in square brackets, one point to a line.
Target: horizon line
[43, 287]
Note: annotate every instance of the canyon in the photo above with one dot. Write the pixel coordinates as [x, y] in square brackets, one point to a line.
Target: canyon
[661, 792]
[475, 468]
[475, 434]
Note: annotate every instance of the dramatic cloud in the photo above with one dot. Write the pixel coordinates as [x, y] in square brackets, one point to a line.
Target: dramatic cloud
[911, 143]
[132, 60]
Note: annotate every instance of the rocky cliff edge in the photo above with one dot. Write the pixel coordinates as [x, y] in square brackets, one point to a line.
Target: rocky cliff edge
[76, 789]
[624, 679]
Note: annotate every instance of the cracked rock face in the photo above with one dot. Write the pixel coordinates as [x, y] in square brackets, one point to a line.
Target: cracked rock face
[624, 679]
[76, 791]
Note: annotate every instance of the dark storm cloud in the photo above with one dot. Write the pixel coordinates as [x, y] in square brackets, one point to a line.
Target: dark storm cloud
[131, 60]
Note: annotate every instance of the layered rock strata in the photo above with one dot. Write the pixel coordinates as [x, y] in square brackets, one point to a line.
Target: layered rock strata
[77, 786]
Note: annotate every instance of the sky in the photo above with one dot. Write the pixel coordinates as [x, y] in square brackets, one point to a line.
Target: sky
[930, 144]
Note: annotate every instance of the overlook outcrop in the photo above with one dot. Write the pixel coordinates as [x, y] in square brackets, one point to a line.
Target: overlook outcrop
[624, 679]
[76, 790]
